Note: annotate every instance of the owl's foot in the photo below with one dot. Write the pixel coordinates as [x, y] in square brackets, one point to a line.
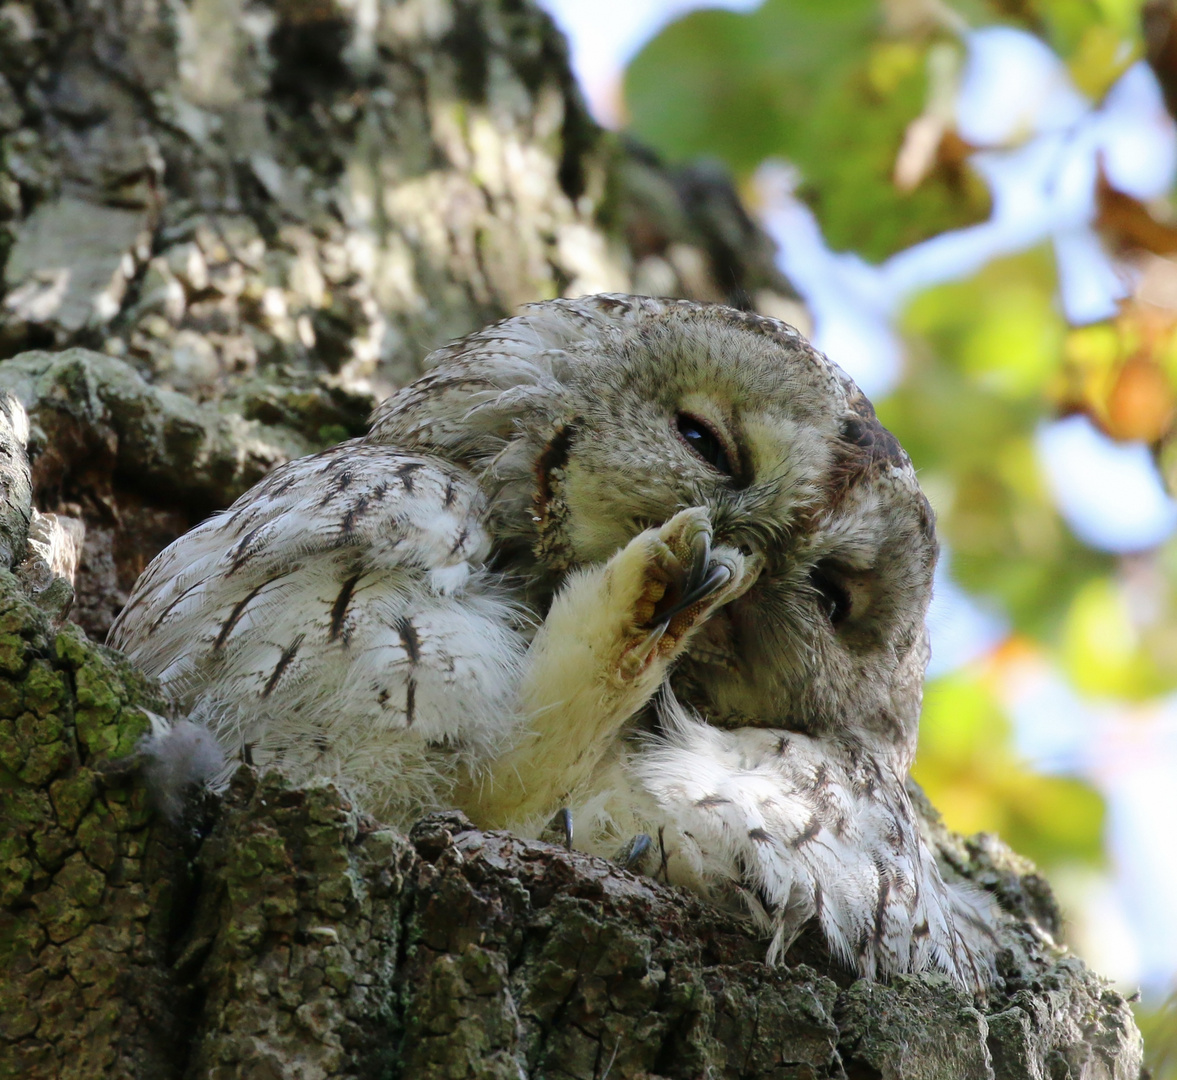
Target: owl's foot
[603, 649]
[559, 829]
[643, 856]
[677, 579]
[633, 856]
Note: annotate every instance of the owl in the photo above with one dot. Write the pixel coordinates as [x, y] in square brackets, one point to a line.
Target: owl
[652, 563]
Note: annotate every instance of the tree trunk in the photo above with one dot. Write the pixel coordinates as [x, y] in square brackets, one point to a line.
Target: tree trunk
[264, 215]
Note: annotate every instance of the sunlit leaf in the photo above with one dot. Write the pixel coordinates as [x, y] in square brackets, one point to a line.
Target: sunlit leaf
[719, 83]
[805, 81]
[1101, 56]
[1120, 635]
[1122, 373]
[983, 352]
[1013, 346]
[1067, 24]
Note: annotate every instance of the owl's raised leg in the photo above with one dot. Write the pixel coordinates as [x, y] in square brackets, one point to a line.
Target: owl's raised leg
[604, 649]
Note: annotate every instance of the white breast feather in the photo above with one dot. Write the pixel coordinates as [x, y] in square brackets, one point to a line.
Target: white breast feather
[803, 831]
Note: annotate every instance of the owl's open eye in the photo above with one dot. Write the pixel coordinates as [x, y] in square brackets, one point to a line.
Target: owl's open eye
[833, 597]
[704, 441]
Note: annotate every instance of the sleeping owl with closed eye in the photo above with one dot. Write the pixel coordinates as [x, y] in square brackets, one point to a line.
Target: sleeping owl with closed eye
[652, 561]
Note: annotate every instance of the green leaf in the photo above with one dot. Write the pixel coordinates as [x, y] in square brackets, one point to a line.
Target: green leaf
[733, 85]
[983, 354]
[805, 81]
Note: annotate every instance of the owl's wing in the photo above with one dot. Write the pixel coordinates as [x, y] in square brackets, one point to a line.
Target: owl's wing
[811, 828]
[338, 618]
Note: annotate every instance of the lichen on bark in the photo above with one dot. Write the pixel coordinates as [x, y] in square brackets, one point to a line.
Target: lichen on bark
[90, 887]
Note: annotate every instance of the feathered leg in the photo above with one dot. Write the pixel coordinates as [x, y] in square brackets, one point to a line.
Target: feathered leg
[600, 655]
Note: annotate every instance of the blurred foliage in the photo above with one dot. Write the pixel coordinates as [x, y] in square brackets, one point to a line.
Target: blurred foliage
[1122, 373]
[983, 350]
[1160, 1038]
[810, 81]
[838, 88]
[971, 774]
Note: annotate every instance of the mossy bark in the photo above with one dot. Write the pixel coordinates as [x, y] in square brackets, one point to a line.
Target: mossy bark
[298, 939]
[229, 226]
[90, 890]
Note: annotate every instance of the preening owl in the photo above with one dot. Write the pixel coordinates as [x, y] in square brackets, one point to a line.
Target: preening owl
[653, 561]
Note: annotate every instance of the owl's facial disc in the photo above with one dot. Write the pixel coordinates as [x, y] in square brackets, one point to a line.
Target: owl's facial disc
[838, 614]
[794, 470]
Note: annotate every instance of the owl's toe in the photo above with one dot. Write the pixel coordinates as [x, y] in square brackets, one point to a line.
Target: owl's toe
[689, 571]
[679, 579]
[710, 582]
[712, 579]
[636, 853]
[559, 829]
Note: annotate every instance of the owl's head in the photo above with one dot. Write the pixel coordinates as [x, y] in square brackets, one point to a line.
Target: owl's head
[593, 419]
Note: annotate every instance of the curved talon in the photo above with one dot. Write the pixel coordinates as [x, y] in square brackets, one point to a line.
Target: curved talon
[559, 829]
[632, 854]
[650, 641]
[717, 577]
[700, 557]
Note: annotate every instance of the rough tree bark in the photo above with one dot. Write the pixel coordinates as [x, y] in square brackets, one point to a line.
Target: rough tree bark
[228, 227]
